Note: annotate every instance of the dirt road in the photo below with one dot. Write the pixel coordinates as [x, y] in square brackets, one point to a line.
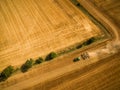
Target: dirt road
[94, 76]
[102, 17]
[75, 76]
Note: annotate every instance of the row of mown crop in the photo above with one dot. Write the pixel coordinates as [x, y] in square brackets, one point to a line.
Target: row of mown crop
[8, 71]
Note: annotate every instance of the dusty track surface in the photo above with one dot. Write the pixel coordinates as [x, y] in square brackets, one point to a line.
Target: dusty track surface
[101, 73]
[94, 76]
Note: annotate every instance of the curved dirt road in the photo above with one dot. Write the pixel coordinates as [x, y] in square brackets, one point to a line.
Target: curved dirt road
[103, 18]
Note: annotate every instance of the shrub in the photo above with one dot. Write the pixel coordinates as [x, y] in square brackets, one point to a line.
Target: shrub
[79, 46]
[89, 41]
[39, 60]
[27, 65]
[6, 73]
[50, 56]
[75, 2]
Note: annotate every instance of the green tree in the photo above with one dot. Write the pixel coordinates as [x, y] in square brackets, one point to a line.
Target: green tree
[39, 60]
[6, 73]
[79, 46]
[27, 65]
[50, 56]
[89, 41]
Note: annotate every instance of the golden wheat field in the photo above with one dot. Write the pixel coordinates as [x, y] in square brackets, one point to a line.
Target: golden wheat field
[33, 28]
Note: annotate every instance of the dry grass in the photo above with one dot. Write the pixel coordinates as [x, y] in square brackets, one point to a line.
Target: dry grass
[32, 28]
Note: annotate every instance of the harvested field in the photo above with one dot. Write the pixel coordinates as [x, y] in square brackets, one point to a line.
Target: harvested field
[109, 7]
[94, 76]
[35, 29]
[32, 28]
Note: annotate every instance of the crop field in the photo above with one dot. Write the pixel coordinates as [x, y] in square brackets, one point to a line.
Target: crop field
[32, 28]
[110, 7]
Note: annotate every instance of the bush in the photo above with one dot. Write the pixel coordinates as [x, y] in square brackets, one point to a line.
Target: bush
[75, 2]
[89, 41]
[79, 46]
[6, 73]
[50, 56]
[27, 65]
[39, 60]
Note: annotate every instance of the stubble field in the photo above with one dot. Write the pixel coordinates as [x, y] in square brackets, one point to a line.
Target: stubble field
[109, 7]
[32, 28]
